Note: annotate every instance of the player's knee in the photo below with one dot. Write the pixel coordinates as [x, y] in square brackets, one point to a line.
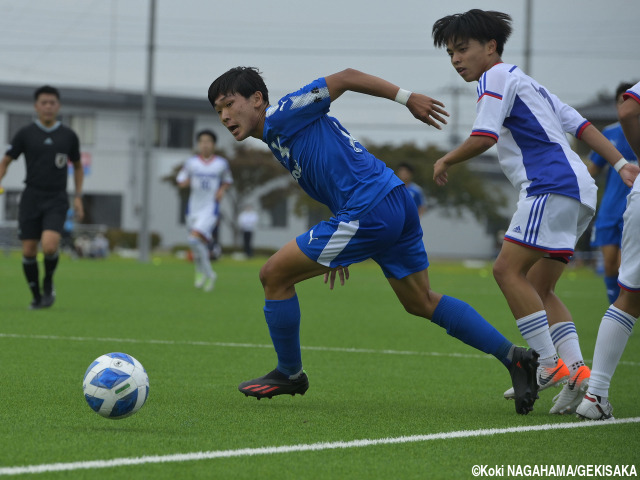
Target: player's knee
[500, 271]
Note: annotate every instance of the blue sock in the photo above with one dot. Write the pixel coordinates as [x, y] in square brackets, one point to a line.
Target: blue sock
[613, 289]
[464, 323]
[283, 320]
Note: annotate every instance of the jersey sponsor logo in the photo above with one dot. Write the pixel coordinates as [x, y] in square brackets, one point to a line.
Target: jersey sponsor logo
[311, 237]
[296, 173]
[517, 229]
[352, 141]
[48, 141]
[284, 151]
[61, 160]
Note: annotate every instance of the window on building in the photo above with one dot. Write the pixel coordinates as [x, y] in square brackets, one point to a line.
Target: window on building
[103, 210]
[278, 213]
[11, 202]
[84, 126]
[16, 122]
[174, 132]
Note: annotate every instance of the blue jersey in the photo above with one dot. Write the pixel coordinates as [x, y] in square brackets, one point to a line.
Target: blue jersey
[321, 155]
[614, 200]
[417, 194]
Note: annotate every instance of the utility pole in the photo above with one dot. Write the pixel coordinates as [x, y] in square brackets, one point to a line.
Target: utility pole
[144, 238]
[527, 37]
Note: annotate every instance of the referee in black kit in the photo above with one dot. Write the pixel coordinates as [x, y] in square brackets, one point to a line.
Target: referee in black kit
[48, 146]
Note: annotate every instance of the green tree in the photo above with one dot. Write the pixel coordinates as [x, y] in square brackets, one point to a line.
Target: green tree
[465, 190]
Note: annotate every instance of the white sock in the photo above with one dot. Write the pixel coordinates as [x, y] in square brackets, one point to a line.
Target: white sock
[613, 334]
[195, 252]
[535, 330]
[203, 260]
[565, 340]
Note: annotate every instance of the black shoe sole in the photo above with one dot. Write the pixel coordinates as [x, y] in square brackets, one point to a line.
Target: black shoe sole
[523, 378]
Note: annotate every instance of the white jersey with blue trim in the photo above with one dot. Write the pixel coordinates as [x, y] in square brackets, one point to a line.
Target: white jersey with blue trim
[530, 125]
[205, 177]
[326, 161]
[634, 94]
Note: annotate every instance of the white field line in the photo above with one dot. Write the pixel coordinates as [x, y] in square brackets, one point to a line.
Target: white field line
[247, 452]
[258, 345]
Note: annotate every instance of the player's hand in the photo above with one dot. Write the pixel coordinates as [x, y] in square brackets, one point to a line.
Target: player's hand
[628, 173]
[427, 110]
[440, 174]
[343, 274]
[79, 208]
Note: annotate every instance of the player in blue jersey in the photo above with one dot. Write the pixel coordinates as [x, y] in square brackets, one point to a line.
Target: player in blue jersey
[557, 194]
[620, 318]
[373, 217]
[405, 173]
[607, 229]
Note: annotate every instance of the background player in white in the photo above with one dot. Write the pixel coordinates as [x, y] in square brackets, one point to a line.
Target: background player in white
[373, 217]
[619, 319]
[607, 228]
[208, 177]
[557, 194]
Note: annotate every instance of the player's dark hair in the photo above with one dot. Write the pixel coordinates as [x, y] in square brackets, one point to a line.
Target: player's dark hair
[207, 132]
[242, 80]
[407, 166]
[473, 25]
[47, 89]
[623, 87]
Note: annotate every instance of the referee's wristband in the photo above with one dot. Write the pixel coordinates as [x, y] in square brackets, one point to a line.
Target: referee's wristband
[619, 164]
[403, 96]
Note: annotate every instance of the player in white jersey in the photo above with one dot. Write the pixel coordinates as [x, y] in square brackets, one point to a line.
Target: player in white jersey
[208, 177]
[557, 194]
[619, 319]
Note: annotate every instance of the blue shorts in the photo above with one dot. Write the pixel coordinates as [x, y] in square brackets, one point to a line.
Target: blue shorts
[390, 234]
[609, 235]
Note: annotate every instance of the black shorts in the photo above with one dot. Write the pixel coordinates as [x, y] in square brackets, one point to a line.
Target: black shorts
[41, 210]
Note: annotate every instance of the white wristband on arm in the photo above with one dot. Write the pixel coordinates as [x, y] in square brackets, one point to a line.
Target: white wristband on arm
[403, 96]
[619, 164]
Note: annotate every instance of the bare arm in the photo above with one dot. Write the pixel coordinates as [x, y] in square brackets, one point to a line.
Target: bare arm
[4, 165]
[221, 191]
[471, 147]
[601, 145]
[78, 177]
[424, 108]
[629, 113]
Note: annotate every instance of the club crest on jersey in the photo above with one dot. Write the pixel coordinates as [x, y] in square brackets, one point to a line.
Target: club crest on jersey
[61, 160]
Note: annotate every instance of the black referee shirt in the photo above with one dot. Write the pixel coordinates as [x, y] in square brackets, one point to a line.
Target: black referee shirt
[47, 153]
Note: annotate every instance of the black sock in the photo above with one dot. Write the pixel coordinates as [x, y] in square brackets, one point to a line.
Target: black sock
[30, 267]
[50, 264]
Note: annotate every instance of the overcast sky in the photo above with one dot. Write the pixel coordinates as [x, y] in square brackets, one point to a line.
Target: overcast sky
[579, 48]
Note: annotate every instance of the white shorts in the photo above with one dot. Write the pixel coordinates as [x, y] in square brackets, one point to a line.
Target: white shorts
[629, 274]
[550, 223]
[202, 223]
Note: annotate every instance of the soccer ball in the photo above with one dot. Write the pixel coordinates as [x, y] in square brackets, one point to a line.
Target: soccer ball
[116, 385]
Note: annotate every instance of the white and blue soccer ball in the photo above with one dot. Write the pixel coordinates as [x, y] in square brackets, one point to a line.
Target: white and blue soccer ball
[116, 385]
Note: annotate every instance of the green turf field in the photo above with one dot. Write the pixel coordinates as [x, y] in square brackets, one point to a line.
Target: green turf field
[375, 373]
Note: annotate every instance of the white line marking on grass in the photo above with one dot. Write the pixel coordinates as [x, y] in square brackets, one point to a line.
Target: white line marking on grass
[248, 452]
[258, 345]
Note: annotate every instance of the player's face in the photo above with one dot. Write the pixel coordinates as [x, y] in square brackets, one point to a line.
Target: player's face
[471, 58]
[47, 106]
[243, 117]
[206, 146]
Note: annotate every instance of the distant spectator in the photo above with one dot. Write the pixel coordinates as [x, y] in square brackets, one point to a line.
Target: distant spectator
[405, 173]
[99, 246]
[247, 221]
